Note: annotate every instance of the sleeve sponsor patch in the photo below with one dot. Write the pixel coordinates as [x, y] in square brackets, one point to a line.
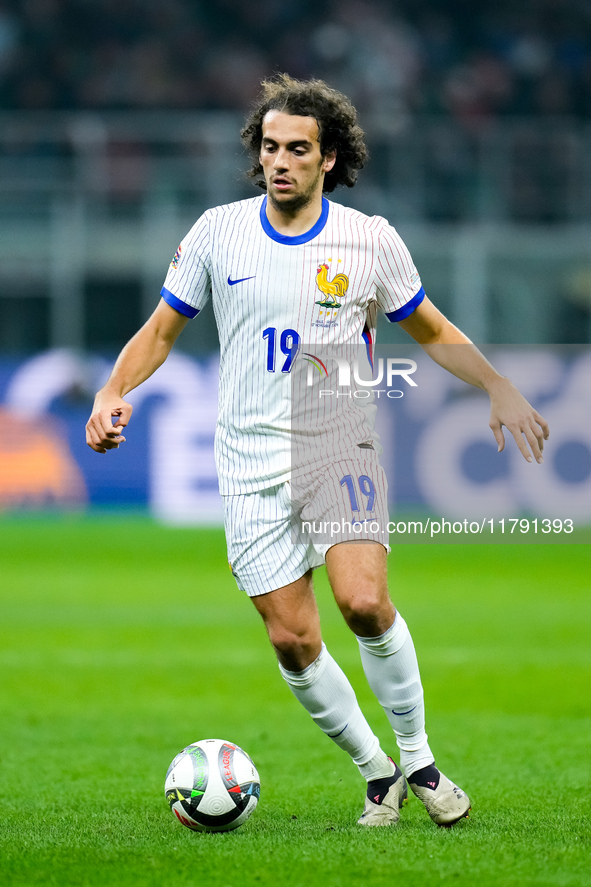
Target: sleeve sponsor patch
[176, 258]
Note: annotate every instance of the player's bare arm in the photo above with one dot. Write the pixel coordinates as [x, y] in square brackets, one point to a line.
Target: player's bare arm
[141, 357]
[431, 329]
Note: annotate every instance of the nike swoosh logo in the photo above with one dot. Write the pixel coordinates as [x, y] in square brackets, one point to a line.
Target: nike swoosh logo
[403, 712]
[334, 735]
[240, 280]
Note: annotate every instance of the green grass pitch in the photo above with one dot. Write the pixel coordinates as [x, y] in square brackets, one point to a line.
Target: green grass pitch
[123, 641]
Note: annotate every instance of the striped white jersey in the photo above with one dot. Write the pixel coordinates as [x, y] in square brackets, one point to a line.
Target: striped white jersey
[275, 298]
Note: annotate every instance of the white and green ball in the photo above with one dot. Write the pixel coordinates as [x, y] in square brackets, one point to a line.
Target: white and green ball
[212, 786]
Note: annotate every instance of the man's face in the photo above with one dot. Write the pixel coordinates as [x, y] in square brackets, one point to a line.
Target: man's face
[293, 165]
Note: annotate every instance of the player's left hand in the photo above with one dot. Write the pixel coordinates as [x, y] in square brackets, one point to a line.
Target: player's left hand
[110, 415]
[510, 408]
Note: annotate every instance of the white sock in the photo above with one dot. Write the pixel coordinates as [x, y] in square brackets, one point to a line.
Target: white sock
[326, 694]
[391, 667]
[379, 766]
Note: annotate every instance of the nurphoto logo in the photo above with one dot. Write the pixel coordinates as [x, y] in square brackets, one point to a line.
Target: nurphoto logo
[389, 371]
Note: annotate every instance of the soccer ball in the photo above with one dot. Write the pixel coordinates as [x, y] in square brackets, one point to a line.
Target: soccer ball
[212, 786]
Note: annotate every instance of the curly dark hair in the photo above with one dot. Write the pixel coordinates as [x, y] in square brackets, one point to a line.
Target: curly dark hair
[336, 118]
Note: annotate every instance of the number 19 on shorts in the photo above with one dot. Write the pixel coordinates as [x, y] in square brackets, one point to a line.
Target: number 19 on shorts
[366, 488]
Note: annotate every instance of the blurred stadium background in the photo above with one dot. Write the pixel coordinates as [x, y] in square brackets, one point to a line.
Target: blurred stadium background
[119, 125]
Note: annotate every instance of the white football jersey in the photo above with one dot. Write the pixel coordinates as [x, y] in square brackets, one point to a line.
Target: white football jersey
[276, 298]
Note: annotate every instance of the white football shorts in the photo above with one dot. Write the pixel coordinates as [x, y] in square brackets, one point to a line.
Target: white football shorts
[276, 535]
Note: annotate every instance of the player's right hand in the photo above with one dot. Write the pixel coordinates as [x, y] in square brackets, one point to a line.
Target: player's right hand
[102, 433]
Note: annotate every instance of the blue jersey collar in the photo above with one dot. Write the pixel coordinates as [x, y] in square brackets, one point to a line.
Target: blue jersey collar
[301, 238]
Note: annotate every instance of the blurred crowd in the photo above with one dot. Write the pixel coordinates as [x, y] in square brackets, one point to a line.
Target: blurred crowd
[469, 59]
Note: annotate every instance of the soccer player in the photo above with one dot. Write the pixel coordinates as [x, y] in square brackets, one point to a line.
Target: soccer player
[287, 268]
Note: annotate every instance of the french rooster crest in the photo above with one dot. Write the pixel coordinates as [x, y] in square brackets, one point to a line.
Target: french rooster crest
[331, 289]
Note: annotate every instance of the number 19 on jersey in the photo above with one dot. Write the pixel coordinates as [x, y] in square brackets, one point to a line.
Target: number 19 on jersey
[289, 343]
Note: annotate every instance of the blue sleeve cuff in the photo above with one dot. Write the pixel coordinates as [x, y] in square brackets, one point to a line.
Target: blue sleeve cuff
[177, 304]
[405, 310]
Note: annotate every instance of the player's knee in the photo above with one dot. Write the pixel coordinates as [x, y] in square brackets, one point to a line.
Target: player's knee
[295, 651]
[367, 614]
